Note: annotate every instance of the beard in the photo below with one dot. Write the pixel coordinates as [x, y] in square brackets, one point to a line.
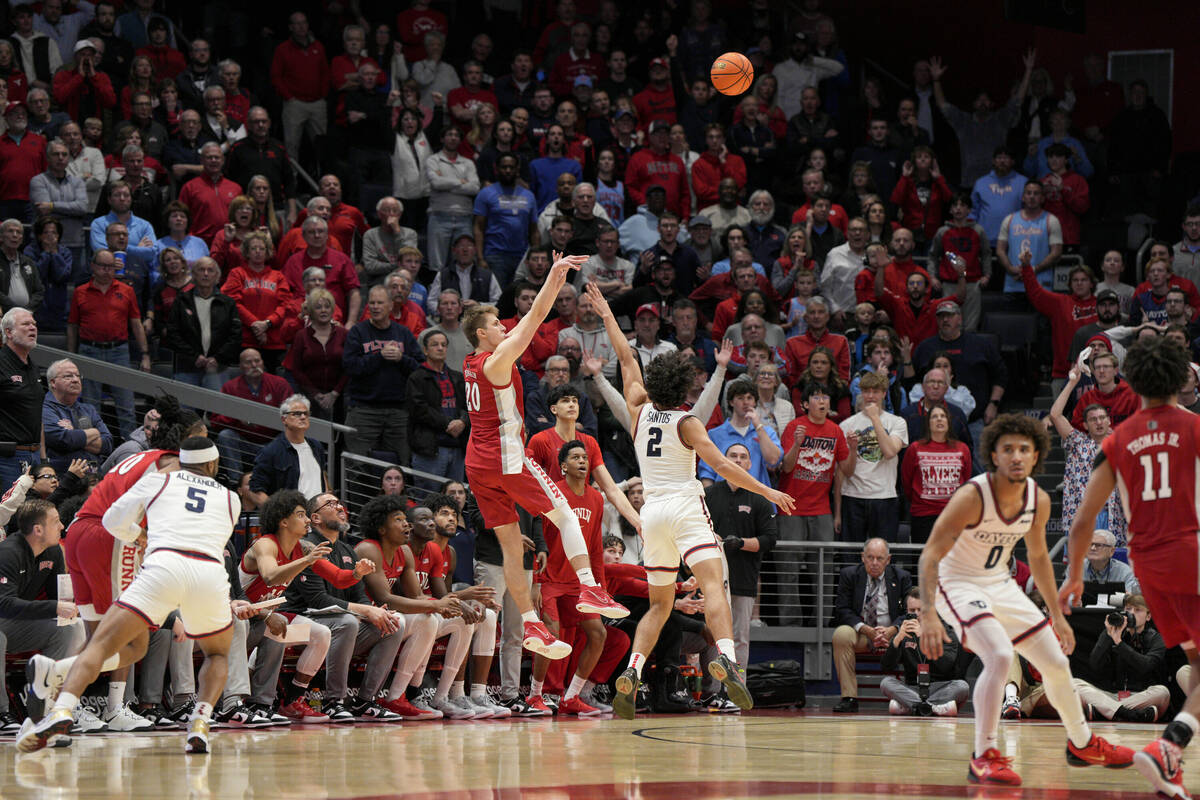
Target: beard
[761, 218]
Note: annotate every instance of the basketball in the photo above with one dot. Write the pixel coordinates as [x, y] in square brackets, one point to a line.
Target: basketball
[732, 73]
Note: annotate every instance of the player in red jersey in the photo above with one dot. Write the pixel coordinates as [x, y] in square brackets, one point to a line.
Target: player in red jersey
[102, 567]
[560, 585]
[501, 475]
[1153, 459]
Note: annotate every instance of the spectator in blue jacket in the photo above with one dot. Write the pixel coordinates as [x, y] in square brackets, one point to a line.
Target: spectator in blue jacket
[141, 232]
[292, 460]
[997, 194]
[1060, 124]
[73, 429]
[54, 262]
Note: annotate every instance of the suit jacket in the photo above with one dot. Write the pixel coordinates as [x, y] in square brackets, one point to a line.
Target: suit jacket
[852, 590]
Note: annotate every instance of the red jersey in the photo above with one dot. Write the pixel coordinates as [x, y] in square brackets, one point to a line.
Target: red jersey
[497, 416]
[544, 446]
[431, 563]
[391, 569]
[252, 582]
[809, 482]
[930, 474]
[117, 481]
[1156, 457]
[589, 508]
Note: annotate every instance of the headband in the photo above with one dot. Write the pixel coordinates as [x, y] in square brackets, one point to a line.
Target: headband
[201, 456]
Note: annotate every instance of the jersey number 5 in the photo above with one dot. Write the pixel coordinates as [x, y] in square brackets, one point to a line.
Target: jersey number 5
[654, 442]
[197, 498]
[1164, 480]
[472, 390]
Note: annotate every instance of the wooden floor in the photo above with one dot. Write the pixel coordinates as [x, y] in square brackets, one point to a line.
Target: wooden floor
[762, 754]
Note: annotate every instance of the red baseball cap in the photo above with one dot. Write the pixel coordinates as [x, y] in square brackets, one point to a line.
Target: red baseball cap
[648, 308]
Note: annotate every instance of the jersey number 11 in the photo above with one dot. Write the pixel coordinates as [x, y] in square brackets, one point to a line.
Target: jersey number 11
[1148, 490]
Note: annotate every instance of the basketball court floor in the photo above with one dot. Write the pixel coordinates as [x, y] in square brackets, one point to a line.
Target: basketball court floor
[697, 757]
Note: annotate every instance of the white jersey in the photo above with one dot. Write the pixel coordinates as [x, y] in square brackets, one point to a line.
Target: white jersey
[983, 549]
[668, 465]
[184, 512]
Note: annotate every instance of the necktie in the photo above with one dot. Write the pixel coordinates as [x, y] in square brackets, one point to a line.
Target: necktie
[870, 613]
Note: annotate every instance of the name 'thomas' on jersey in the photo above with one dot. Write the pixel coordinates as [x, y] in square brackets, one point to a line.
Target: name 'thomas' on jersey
[982, 550]
[183, 511]
[668, 465]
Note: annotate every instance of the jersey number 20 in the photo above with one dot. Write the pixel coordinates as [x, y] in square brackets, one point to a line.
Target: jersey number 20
[654, 442]
[1164, 482]
[472, 391]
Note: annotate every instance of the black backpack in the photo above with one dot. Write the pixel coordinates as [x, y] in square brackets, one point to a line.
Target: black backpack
[775, 684]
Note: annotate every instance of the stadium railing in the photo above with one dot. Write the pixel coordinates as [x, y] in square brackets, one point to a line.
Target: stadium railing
[360, 480]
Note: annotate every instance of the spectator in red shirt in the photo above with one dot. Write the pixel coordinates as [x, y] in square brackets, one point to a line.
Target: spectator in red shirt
[744, 280]
[1110, 391]
[264, 299]
[921, 194]
[168, 62]
[22, 156]
[463, 100]
[1067, 194]
[933, 468]
[578, 60]
[657, 101]
[343, 69]
[84, 91]
[813, 184]
[798, 348]
[913, 313]
[237, 99]
[209, 194]
[344, 219]
[1067, 314]
[657, 165]
[315, 358]
[293, 240]
[300, 76]
[817, 457]
[239, 442]
[340, 276]
[414, 23]
[714, 164]
[555, 38]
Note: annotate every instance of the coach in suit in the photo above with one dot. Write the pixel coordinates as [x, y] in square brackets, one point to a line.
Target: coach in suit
[870, 597]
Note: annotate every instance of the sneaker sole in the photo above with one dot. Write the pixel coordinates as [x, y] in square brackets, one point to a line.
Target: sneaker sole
[625, 702]
[554, 652]
[36, 739]
[1148, 766]
[609, 612]
[972, 778]
[739, 695]
[35, 683]
[196, 745]
[1076, 761]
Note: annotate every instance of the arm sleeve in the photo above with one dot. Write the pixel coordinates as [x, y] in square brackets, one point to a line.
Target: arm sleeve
[707, 401]
[14, 497]
[340, 578]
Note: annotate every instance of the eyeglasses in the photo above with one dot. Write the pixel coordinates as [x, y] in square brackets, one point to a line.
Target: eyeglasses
[300, 414]
[49, 476]
[327, 504]
[1099, 546]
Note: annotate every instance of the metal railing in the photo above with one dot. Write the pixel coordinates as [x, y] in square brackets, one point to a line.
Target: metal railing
[361, 476]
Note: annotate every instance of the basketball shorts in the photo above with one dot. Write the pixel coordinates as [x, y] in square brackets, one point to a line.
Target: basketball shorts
[1177, 616]
[196, 584]
[963, 602]
[498, 495]
[558, 604]
[673, 528]
[101, 566]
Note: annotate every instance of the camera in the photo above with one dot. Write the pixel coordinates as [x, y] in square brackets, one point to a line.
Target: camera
[1119, 618]
[923, 681]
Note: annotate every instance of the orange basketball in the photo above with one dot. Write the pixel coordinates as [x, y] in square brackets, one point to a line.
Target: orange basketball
[732, 73]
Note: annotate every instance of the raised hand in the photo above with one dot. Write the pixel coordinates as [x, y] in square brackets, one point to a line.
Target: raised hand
[936, 68]
[725, 353]
[590, 364]
[1029, 59]
[599, 301]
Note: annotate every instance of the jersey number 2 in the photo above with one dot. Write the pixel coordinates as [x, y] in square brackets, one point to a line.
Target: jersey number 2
[654, 442]
[196, 496]
[1164, 481]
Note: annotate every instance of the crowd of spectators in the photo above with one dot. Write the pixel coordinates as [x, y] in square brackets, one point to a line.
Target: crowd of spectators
[829, 273]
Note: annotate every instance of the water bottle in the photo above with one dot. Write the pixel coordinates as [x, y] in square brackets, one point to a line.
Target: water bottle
[119, 256]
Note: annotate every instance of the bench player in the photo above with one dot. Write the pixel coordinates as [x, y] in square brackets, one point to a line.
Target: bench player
[675, 521]
[500, 473]
[189, 518]
[964, 577]
[1151, 458]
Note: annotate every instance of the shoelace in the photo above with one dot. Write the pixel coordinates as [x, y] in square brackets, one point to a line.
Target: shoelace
[998, 760]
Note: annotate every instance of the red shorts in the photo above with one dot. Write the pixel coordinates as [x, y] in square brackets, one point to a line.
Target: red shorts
[498, 495]
[558, 604]
[1176, 615]
[101, 566]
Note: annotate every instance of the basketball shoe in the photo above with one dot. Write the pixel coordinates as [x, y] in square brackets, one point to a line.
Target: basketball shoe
[594, 600]
[625, 700]
[576, 707]
[733, 675]
[537, 703]
[410, 712]
[991, 767]
[1161, 763]
[300, 711]
[538, 639]
[197, 736]
[57, 722]
[1100, 753]
[1011, 710]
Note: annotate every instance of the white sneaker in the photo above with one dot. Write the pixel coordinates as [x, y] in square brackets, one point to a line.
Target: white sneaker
[478, 712]
[498, 711]
[452, 710]
[947, 709]
[588, 696]
[87, 722]
[488, 710]
[422, 703]
[897, 709]
[41, 677]
[126, 721]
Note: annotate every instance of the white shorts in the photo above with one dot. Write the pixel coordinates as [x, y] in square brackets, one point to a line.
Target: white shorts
[195, 585]
[962, 602]
[673, 527]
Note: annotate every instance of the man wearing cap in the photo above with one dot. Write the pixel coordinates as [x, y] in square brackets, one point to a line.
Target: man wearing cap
[801, 70]
[22, 156]
[976, 361]
[700, 239]
[997, 194]
[577, 62]
[656, 103]
[626, 142]
[640, 231]
[647, 322]
[657, 165]
[687, 265]
[1108, 316]
[659, 292]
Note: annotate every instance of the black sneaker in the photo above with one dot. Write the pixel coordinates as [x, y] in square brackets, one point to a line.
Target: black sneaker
[337, 712]
[8, 723]
[733, 675]
[159, 716]
[848, 705]
[272, 716]
[243, 716]
[183, 713]
[520, 708]
[370, 711]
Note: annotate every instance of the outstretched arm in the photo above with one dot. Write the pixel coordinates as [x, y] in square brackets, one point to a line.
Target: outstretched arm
[1060, 422]
[631, 373]
[500, 364]
[692, 432]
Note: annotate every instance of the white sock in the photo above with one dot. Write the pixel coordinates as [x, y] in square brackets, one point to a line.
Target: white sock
[66, 700]
[456, 689]
[1010, 693]
[535, 687]
[576, 686]
[726, 648]
[1189, 720]
[530, 616]
[586, 577]
[636, 662]
[202, 711]
[116, 696]
[478, 691]
[571, 538]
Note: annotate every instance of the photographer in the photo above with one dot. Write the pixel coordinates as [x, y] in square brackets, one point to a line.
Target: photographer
[1130, 656]
[929, 688]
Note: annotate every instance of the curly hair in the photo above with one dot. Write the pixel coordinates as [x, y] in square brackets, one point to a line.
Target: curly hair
[667, 379]
[174, 424]
[1015, 425]
[436, 502]
[279, 507]
[1155, 368]
[374, 515]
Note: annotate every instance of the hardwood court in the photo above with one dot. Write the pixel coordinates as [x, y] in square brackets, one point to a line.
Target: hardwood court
[696, 757]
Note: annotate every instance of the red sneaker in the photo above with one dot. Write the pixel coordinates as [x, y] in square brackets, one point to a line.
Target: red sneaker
[1161, 763]
[539, 640]
[408, 711]
[1100, 753]
[991, 767]
[300, 711]
[575, 706]
[594, 600]
[536, 702]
